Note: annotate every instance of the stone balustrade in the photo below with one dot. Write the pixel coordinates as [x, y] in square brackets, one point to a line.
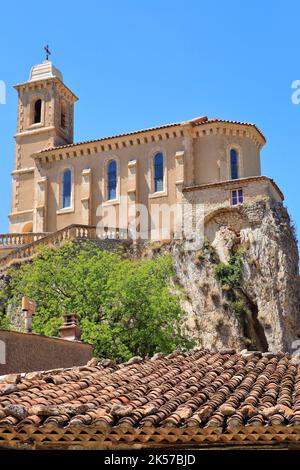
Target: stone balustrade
[34, 240]
[111, 233]
[8, 240]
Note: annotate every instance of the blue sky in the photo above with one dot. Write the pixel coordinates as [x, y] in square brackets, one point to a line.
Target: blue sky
[136, 64]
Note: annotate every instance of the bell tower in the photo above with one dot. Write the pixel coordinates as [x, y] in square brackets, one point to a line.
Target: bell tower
[45, 120]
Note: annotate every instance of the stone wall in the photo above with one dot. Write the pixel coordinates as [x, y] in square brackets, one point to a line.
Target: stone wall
[26, 352]
[215, 200]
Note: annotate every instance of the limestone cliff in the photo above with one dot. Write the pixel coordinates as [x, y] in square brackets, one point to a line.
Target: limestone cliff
[243, 288]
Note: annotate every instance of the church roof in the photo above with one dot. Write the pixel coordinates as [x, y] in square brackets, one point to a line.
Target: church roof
[199, 121]
[44, 70]
[196, 397]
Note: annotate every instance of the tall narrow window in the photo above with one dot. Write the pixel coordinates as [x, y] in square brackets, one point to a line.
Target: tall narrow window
[158, 172]
[66, 189]
[234, 164]
[37, 111]
[112, 180]
[63, 115]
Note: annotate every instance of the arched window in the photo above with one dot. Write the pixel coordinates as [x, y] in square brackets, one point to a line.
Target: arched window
[158, 163]
[234, 164]
[66, 188]
[112, 180]
[37, 111]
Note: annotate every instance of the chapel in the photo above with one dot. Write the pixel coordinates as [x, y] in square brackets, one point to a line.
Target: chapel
[203, 162]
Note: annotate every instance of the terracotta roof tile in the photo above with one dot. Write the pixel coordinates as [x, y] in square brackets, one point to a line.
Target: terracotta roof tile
[189, 390]
[199, 121]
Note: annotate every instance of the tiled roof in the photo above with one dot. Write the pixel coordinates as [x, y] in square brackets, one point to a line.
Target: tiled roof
[149, 129]
[195, 396]
[215, 120]
[203, 120]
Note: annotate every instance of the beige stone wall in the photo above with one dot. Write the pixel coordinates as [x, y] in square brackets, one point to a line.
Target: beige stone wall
[137, 188]
[216, 199]
[135, 176]
[26, 189]
[212, 157]
[195, 153]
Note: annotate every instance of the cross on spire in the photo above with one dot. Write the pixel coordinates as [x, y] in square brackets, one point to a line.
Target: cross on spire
[47, 50]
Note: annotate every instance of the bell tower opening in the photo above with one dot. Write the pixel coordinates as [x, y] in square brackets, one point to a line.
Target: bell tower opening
[63, 115]
[37, 111]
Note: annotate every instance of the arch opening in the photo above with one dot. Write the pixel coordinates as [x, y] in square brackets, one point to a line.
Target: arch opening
[28, 227]
[37, 111]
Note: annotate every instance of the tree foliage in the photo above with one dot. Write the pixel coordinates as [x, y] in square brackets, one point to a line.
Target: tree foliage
[126, 307]
[5, 294]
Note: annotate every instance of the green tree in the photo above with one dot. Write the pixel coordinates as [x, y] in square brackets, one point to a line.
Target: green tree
[126, 307]
[5, 294]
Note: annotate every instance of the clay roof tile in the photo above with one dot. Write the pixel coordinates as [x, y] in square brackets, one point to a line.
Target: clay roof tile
[194, 389]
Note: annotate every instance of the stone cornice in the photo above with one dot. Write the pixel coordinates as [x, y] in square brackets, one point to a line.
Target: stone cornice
[23, 171]
[195, 128]
[109, 144]
[230, 129]
[40, 130]
[37, 130]
[37, 84]
[17, 214]
[235, 183]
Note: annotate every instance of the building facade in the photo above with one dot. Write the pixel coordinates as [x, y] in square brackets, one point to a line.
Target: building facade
[57, 182]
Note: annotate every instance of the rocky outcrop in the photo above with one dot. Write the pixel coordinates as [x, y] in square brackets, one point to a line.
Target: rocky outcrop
[271, 276]
[208, 320]
[260, 307]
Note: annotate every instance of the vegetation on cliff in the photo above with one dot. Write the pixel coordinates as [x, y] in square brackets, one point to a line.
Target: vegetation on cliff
[230, 276]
